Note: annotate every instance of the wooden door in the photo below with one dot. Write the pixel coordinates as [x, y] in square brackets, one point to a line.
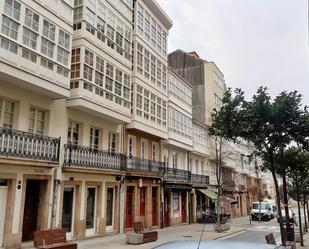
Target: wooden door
[184, 207]
[166, 209]
[154, 206]
[129, 207]
[30, 209]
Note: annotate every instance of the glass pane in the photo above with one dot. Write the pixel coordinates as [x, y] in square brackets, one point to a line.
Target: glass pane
[90, 208]
[109, 206]
[67, 208]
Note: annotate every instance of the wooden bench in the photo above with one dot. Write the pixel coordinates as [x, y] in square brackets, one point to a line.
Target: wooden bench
[271, 241]
[148, 236]
[50, 239]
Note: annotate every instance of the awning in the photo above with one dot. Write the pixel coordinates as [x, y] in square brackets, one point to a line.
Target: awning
[211, 194]
[177, 187]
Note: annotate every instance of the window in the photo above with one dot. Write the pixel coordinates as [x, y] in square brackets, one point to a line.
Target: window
[73, 132]
[64, 39]
[78, 13]
[49, 30]
[144, 150]
[36, 121]
[108, 84]
[29, 55]
[75, 55]
[75, 70]
[88, 57]
[109, 70]
[8, 45]
[218, 101]
[62, 71]
[32, 20]
[131, 145]
[179, 123]
[62, 56]
[94, 138]
[100, 64]
[30, 38]
[87, 73]
[117, 88]
[142, 201]
[176, 200]
[112, 142]
[47, 64]
[174, 157]
[9, 27]
[12, 9]
[47, 48]
[155, 151]
[6, 113]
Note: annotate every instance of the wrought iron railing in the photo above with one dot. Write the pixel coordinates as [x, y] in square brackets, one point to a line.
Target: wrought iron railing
[83, 156]
[136, 164]
[228, 184]
[20, 144]
[177, 174]
[199, 179]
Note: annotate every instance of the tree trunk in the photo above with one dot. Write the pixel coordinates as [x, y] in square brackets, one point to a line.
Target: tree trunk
[307, 208]
[279, 208]
[304, 207]
[286, 208]
[299, 216]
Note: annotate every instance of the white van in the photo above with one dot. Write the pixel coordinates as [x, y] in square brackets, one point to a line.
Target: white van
[262, 210]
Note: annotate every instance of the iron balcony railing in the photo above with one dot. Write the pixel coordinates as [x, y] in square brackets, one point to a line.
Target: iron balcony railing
[199, 179]
[177, 174]
[83, 156]
[135, 164]
[20, 144]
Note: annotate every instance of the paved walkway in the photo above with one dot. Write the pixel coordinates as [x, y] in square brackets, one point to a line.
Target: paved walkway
[181, 232]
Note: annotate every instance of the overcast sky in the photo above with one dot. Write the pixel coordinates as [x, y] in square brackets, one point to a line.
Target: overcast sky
[253, 42]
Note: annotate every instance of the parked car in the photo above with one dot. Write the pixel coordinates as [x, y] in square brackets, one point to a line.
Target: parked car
[262, 210]
[216, 244]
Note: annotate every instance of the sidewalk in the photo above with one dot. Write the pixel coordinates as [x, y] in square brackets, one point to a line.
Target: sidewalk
[182, 232]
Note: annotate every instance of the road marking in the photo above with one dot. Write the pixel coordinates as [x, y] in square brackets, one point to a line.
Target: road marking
[231, 235]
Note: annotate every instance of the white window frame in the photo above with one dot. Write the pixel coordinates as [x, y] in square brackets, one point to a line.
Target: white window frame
[131, 147]
[2, 113]
[35, 128]
[70, 139]
[144, 148]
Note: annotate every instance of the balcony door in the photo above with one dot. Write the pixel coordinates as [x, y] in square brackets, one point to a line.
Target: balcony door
[110, 202]
[68, 210]
[91, 211]
[3, 198]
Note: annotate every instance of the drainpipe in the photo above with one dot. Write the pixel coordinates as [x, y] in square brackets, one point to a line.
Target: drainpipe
[189, 195]
[122, 189]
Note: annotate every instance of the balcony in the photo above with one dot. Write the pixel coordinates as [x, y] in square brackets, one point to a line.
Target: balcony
[199, 179]
[26, 145]
[89, 158]
[177, 174]
[228, 185]
[144, 167]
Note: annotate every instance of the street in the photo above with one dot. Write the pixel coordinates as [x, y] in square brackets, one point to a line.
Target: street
[256, 232]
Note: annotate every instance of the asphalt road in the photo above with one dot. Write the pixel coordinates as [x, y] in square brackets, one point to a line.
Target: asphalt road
[256, 232]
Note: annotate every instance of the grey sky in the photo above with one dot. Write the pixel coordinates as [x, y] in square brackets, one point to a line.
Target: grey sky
[253, 42]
